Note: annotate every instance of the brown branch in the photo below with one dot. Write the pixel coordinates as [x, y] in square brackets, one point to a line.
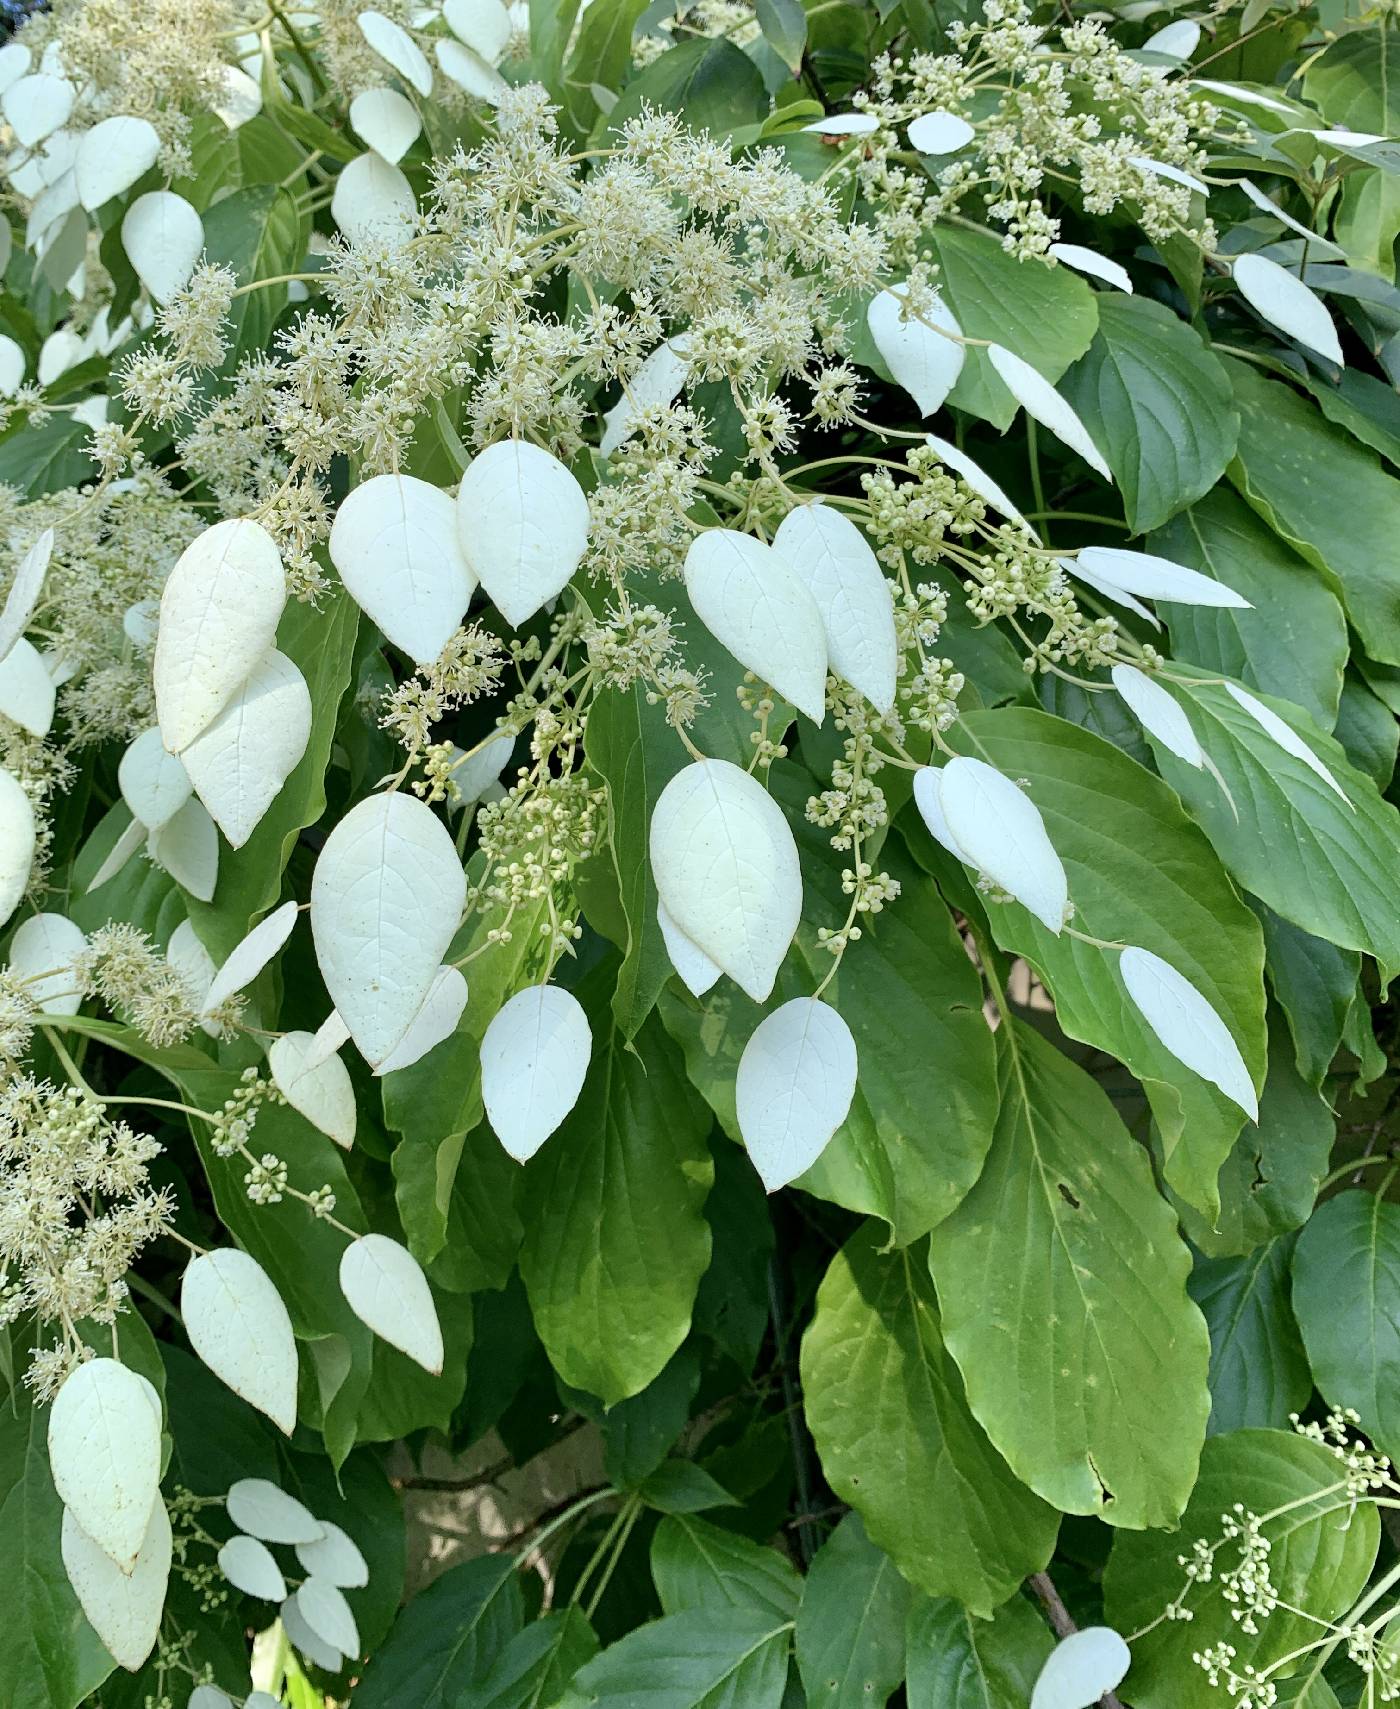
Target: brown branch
[1063, 1622]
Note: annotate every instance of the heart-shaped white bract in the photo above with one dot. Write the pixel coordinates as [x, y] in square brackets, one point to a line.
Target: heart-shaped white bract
[657, 381]
[397, 48]
[470, 71]
[1288, 304]
[163, 237]
[534, 1060]
[436, 1020]
[187, 847]
[386, 1289]
[386, 122]
[1151, 577]
[922, 360]
[264, 1509]
[1285, 736]
[104, 1454]
[975, 476]
[698, 973]
[1187, 1025]
[796, 1079]
[153, 782]
[219, 612]
[1080, 1669]
[726, 870]
[939, 132]
[246, 960]
[112, 156]
[395, 543]
[239, 762]
[386, 897]
[335, 1558]
[999, 829]
[36, 106]
[522, 520]
[1089, 261]
[26, 689]
[238, 1325]
[308, 1641]
[831, 556]
[1158, 713]
[1044, 404]
[483, 25]
[42, 953]
[25, 589]
[16, 843]
[373, 203]
[322, 1092]
[754, 603]
[124, 1609]
[248, 1564]
[323, 1607]
[928, 798]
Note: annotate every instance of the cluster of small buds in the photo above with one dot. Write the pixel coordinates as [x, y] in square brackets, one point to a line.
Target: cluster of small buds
[266, 1179]
[758, 702]
[911, 518]
[233, 1125]
[1376, 1658]
[1247, 1686]
[1247, 1585]
[125, 969]
[632, 645]
[469, 666]
[321, 1202]
[1364, 1468]
[535, 836]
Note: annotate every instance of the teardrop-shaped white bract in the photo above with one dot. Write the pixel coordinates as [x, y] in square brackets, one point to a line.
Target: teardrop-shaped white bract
[698, 973]
[1319, 244]
[308, 1641]
[522, 520]
[534, 1060]
[323, 1093]
[1151, 577]
[1159, 714]
[1173, 174]
[657, 381]
[397, 48]
[483, 25]
[247, 959]
[1177, 40]
[999, 829]
[833, 559]
[219, 612]
[163, 237]
[1286, 737]
[1116, 595]
[12, 365]
[15, 60]
[1088, 1663]
[104, 1454]
[140, 623]
[754, 603]
[264, 1509]
[238, 1325]
[238, 97]
[386, 898]
[1089, 261]
[928, 798]
[975, 476]
[248, 1564]
[239, 762]
[726, 870]
[1287, 303]
[1187, 1026]
[844, 124]
[118, 855]
[124, 1609]
[188, 956]
[26, 689]
[796, 1079]
[24, 592]
[112, 156]
[187, 847]
[470, 71]
[335, 1558]
[939, 132]
[1044, 404]
[386, 1289]
[59, 352]
[436, 1020]
[373, 202]
[473, 773]
[37, 105]
[16, 843]
[327, 1039]
[922, 360]
[153, 782]
[395, 543]
[324, 1608]
[386, 122]
[42, 953]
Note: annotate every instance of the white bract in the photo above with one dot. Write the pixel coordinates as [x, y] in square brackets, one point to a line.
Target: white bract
[118, 855]
[999, 829]
[327, 1039]
[162, 236]
[15, 60]
[1288, 304]
[12, 365]
[104, 1454]
[656, 382]
[1044, 404]
[928, 798]
[187, 847]
[153, 781]
[926, 362]
[373, 202]
[396, 546]
[534, 1060]
[324, 1608]
[473, 774]
[248, 1564]
[1151, 577]
[698, 973]
[939, 132]
[239, 762]
[386, 898]
[247, 958]
[124, 1609]
[1177, 40]
[1285, 736]
[335, 1558]
[238, 1325]
[26, 689]
[36, 106]
[1162, 716]
[484, 25]
[398, 49]
[305, 1638]
[219, 612]
[522, 521]
[112, 156]
[726, 871]
[386, 1289]
[796, 1079]
[188, 956]
[16, 843]
[238, 97]
[1173, 174]
[1116, 595]
[27, 585]
[1187, 1026]
[1322, 245]
[974, 476]
[470, 71]
[322, 1092]
[754, 603]
[845, 124]
[264, 1509]
[1095, 265]
[386, 122]
[833, 559]
[210, 1697]
[59, 352]
[1083, 1666]
[42, 953]
[436, 1020]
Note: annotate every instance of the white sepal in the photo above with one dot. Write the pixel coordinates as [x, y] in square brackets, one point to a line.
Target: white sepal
[1116, 595]
[796, 1079]
[472, 775]
[12, 366]
[248, 1564]
[398, 49]
[928, 798]
[976, 477]
[833, 559]
[939, 132]
[999, 829]
[1088, 1663]
[26, 689]
[308, 1641]
[534, 1060]
[1288, 304]
[436, 1020]
[385, 122]
[1286, 737]
[104, 1454]
[247, 959]
[153, 782]
[24, 592]
[323, 1607]
[1089, 261]
[1151, 577]
[698, 973]
[483, 25]
[323, 1094]
[1173, 174]
[163, 237]
[124, 1609]
[522, 520]
[469, 71]
[239, 762]
[112, 156]
[1159, 713]
[386, 1289]
[1187, 1026]
[187, 847]
[16, 843]
[335, 1557]
[264, 1509]
[373, 202]
[1044, 404]
[238, 1325]
[844, 124]
[42, 953]
[922, 360]
[657, 381]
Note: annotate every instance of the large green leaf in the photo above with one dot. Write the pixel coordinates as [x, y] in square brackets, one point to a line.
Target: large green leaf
[1356, 82]
[1062, 1283]
[1315, 985]
[1158, 404]
[533, 1669]
[257, 233]
[447, 1639]
[887, 1410]
[850, 1629]
[697, 1565]
[1139, 873]
[1258, 1370]
[957, 1662]
[615, 1235]
[601, 55]
[702, 1659]
[713, 83]
[1322, 1552]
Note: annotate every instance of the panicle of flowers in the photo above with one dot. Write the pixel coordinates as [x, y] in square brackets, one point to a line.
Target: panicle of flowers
[129, 973]
[233, 1124]
[469, 666]
[1364, 1468]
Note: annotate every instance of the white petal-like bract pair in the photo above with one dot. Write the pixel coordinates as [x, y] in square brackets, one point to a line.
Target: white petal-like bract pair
[239, 1327]
[833, 559]
[398, 49]
[437, 1018]
[924, 360]
[386, 122]
[975, 476]
[112, 156]
[522, 521]
[153, 781]
[239, 762]
[123, 1608]
[534, 1060]
[1085, 1665]
[794, 1087]
[386, 1289]
[1187, 1025]
[104, 1454]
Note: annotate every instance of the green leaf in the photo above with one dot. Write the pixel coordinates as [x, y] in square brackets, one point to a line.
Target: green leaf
[601, 55]
[886, 1408]
[680, 1486]
[1294, 640]
[697, 1565]
[1045, 315]
[258, 234]
[1157, 401]
[615, 1236]
[961, 1663]
[850, 1629]
[1315, 984]
[638, 1432]
[1062, 1282]
[1366, 728]
[713, 83]
[1354, 83]
[784, 26]
[1258, 1371]
[1139, 873]
[447, 1639]
[536, 1665]
[1322, 1553]
[701, 1659]
[1366, 225]
[47, 458]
